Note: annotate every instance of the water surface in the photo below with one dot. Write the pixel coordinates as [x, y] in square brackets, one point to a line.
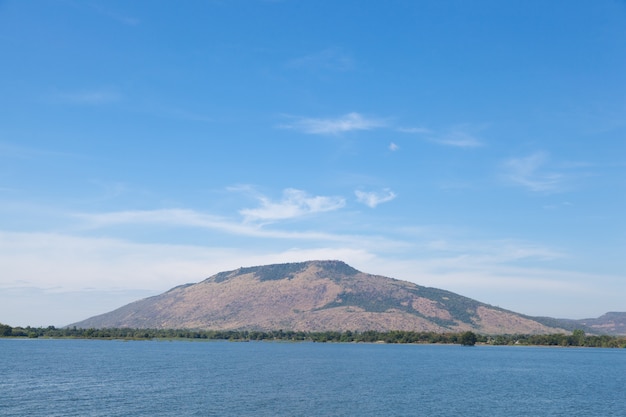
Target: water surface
[217, 378]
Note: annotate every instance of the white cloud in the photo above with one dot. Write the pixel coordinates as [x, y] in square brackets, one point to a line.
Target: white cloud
[529, 173]
[295, 203]
[168, 218]
[372, 198]
[393, 147]
[450, 243]
[346, 123]
[194, 219]
[458, 139]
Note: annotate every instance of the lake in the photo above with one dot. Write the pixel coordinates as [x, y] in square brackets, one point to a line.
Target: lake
[46, 377]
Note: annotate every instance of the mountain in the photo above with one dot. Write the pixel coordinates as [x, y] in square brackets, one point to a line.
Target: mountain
[314, 296]
[613, 323]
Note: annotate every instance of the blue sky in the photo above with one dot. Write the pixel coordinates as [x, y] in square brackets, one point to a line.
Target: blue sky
[477, 147]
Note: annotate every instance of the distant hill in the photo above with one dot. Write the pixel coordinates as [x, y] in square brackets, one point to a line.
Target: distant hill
[613, 323]
[314, 296]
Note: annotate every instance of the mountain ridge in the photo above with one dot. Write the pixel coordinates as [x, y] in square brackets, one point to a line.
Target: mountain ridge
[315, 296]
[612, 323]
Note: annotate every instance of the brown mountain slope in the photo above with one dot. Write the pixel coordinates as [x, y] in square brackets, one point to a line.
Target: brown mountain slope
[313, 296]
[612, 323]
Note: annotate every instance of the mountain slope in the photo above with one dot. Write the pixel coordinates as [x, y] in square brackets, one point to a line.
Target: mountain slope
[314, 296]
[612, 323]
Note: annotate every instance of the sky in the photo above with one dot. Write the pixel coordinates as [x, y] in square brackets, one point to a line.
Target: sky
[477, 147]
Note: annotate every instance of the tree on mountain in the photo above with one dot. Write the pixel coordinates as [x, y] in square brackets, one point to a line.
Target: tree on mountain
[578, 337]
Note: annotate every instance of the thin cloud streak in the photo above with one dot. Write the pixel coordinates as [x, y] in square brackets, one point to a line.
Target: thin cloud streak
[434, 241]
[416, 130]
[189, 218]
[497, 251]
[529, 172]
[193, 219]
[456, 137]
[346, 123]
[373, 199]
[295, 203]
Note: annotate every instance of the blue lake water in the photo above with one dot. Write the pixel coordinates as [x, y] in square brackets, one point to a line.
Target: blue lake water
[180, 378]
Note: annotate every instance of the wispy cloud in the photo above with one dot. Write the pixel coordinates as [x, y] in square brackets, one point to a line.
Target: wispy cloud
[333, 126]
[416, 130]
[295, 203]
[86, 97]
[393, 147]
[460, 137]
[179, 217]
[89, 268]
[194, 219]
[495, 271]
[68, 263]
[457, 138]
[169, 218]
[328, 59]
[372, 198]
[530, 172]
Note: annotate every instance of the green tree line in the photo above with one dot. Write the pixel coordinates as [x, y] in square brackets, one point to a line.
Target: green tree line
[577, 338]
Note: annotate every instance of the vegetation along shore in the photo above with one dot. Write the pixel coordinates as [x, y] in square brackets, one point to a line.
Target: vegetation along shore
[577, 339]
